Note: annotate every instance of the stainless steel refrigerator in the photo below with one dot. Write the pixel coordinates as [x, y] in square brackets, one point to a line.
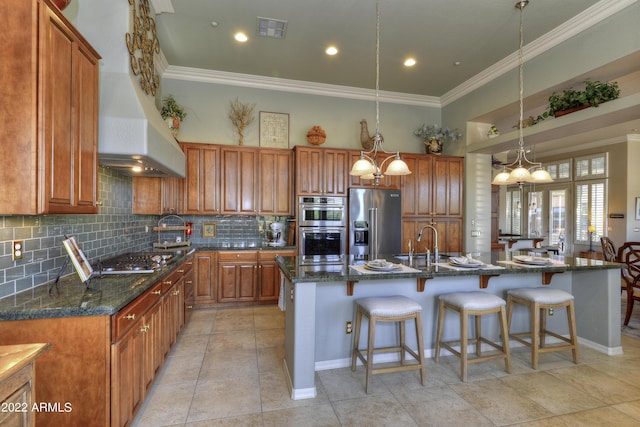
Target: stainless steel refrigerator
[375, 222]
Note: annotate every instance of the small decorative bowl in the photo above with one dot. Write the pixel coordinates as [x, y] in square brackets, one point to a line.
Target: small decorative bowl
[316, 139]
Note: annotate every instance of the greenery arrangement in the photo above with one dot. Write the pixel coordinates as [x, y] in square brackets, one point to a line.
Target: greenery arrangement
[434, 136]
[241, 115]
[171, 109]
[594, 94]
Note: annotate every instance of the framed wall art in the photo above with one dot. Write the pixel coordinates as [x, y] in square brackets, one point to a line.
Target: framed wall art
[274, 130]
[208, 230]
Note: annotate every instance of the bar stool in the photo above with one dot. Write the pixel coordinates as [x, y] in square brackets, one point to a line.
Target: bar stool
[388, 309]
[539, 299]
[476, 304]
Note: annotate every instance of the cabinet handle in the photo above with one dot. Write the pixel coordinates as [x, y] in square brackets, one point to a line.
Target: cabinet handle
[176, 292]
[190, 263]
[144, 329]
[189, 306]
[130, 317]
[156, 292]
[189, 282]
[167, 282]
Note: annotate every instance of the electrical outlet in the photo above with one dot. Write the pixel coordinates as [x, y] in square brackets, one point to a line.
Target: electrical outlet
[551, 312]
[348, 328]
[475, 233]
[17, 249]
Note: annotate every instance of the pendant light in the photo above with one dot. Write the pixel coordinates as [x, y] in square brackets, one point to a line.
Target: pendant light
[522, 170]
[368, 166]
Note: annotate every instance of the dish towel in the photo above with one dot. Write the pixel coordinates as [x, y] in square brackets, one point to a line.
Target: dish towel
[281, 300]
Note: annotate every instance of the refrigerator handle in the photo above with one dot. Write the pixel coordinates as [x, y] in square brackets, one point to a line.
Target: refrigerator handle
[373, 233]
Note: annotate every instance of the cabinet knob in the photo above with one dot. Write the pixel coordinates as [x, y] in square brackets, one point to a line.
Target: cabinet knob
[130, 317]
[167, 282]
[176, 292]
[180, 271]
[156, 292]
[189, 306]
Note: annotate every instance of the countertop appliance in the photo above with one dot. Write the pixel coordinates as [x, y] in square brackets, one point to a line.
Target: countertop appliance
[375, 222]
[275, 234]
[322, 232]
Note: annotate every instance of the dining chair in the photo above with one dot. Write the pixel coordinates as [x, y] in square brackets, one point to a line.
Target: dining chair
[609, 253]
[629, 254]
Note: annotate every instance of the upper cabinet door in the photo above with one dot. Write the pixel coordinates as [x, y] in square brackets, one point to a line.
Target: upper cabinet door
[322, 171]
[448, 177]
[276, 182]
[202, 181]
[239, 167]
[49, 96]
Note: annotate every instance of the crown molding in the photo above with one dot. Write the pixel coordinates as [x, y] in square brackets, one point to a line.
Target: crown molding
[574, 26]
[296, 86]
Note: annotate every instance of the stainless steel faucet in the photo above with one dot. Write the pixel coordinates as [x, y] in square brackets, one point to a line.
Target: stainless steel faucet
[436, 253]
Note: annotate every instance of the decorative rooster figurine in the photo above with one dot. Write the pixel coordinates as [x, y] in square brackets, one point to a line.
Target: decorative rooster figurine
[365, 139]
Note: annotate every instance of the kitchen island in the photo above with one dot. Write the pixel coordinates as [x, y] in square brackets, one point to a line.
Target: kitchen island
[319, 300]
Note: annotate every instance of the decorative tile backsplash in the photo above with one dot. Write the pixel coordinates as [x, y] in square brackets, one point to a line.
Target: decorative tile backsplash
[113, 231]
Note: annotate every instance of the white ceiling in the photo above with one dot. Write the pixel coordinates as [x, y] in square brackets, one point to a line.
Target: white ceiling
[437, 33]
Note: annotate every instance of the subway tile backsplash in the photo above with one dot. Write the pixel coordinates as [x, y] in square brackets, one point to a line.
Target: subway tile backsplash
[113, 231]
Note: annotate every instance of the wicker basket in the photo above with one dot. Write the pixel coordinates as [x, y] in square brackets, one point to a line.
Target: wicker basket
[316, 139]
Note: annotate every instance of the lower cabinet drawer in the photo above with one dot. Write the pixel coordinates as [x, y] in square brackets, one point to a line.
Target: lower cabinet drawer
[128, 316]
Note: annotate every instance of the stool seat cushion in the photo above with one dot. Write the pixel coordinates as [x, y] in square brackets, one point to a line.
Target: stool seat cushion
[474, 300]
[389, 306]
[542, 295]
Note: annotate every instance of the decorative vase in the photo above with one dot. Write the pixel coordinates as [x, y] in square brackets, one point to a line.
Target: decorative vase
[433, 146]
[174, 125]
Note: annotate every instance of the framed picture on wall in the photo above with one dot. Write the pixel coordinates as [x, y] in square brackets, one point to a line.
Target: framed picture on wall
[274, 129]
[208, 230]
[637, 208]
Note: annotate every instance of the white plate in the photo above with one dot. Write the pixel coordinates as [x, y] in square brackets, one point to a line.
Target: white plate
[387, 267]
[472, 265]
[531, 260]
[464, 261]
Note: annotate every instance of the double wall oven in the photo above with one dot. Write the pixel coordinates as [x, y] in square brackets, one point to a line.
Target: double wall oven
[322, 231]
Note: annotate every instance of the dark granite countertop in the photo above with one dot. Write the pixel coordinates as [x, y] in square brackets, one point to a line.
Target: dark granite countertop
[104, 295]
[296, 272]
[242, 248]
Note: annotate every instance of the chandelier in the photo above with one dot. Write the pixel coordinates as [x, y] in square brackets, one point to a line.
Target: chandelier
[369, 166]
[522, 170]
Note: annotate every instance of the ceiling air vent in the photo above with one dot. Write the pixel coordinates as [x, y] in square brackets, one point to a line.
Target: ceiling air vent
[268, 27]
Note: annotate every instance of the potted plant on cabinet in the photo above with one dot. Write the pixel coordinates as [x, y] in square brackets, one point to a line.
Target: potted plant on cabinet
[173, 113]
[434, 136]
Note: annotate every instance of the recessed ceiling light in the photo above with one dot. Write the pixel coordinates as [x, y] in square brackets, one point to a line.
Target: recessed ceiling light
[331, 50]
[241, 37]
[409, 62]
[457, 63]
[215, 24]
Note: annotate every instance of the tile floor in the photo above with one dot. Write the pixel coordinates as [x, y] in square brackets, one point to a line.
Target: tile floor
[226, 370]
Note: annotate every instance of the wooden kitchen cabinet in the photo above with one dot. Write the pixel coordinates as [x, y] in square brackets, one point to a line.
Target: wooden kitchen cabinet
[322, 171]
[239, 166]
[433, 193]
[449, 235]
[275, 180]
[157, 196]
[202, 187]
[206, 275]
[49, 100]
[237, 276]
[269, 274]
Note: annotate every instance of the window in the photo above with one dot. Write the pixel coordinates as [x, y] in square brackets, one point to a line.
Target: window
[590, 210]
[590, 167]
[514, 209]
[559, 171]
